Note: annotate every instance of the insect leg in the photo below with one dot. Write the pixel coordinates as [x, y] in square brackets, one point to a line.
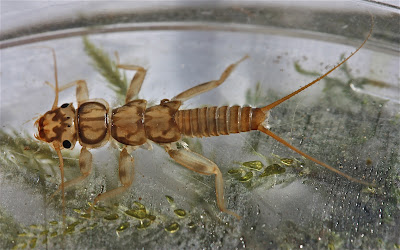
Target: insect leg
[85, 164]
[207, 86]
[82, 92]
[126, 174]
[137, 81]
[202, 165]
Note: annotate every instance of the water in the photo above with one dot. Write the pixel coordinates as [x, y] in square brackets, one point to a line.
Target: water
[306, 205]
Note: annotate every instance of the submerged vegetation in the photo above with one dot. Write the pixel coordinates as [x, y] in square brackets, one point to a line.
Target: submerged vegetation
[107, 68]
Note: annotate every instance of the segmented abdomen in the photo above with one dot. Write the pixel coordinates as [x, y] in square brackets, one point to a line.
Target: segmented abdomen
[214, 121]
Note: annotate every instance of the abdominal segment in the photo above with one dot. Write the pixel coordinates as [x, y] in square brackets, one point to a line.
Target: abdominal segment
[214, 121]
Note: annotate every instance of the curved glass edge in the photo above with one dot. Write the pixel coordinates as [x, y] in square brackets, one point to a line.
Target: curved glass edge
[350, 19]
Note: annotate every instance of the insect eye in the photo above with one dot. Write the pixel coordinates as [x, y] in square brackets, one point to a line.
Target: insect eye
[67, 144]
[163, 101]
[65, 105]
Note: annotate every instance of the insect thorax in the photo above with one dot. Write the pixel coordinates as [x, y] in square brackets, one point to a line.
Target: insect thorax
[92, 124]
[127, 123]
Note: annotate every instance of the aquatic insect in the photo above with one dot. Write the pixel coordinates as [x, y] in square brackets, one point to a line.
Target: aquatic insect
[93, 124]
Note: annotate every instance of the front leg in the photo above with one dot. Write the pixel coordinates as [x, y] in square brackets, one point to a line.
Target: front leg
[82, 92]
[85, 165]
[202, 165]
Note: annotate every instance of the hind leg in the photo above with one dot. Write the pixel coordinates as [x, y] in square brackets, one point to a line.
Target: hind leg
[202, 165]
[207, 86]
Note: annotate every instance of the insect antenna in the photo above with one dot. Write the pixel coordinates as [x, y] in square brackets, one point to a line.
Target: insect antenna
[56, 144]
[56, 88]
[60, 157]
[55, 104]
[287, 144]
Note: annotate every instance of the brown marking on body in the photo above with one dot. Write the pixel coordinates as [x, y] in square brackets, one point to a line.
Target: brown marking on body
[57, 125]
[160, 125]
[92, 124]
[127, 123]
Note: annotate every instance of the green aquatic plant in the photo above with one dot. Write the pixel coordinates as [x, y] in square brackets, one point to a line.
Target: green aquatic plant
[27, 158]
[107, 68]
[342, 88]
[122, 220]
[254, 174]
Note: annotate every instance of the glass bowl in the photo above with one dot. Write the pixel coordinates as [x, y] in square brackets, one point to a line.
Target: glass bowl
[350, 120]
